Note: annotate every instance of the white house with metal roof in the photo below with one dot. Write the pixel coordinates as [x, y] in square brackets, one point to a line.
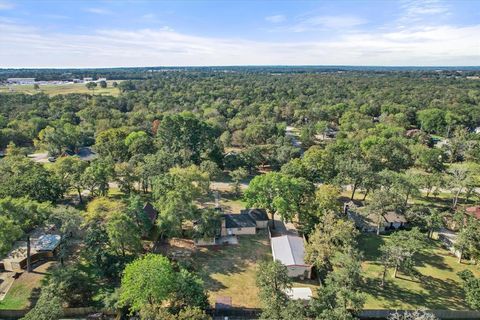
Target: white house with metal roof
[290, 251]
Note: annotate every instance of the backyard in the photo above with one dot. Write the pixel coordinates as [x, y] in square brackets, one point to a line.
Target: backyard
[25, 289]
[437, 286]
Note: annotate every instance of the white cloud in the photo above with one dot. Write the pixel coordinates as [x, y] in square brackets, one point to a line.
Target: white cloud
[276, 18]
[435, 45]
[5, 5]
[100, 11]
[415, 11]
[316, 23]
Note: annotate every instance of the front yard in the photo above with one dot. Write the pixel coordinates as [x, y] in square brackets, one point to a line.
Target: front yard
[437, 287]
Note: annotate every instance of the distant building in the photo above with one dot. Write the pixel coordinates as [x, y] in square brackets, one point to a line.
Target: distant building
[21, 80]
[290, 251]
[88, 79]
[101, 79]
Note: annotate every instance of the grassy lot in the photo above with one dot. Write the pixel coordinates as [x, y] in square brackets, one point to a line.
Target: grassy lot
[52, 89]
[438, 287]
[25, 289]
[230, 270]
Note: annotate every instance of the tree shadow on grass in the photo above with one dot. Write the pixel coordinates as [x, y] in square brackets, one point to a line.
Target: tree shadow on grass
[394, 295]
[370, 245]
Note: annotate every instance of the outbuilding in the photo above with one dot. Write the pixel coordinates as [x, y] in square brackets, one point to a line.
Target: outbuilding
[290, 251]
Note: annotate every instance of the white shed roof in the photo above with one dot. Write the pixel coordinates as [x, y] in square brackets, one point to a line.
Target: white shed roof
[299, 293]
[289, 250]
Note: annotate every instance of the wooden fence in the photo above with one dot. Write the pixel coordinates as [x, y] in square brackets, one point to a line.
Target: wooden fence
[251, 313]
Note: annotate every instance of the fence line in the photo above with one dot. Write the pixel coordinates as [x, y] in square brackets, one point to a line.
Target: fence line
[254, 313]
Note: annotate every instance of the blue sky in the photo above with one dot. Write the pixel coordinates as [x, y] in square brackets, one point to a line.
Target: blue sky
[113, 33]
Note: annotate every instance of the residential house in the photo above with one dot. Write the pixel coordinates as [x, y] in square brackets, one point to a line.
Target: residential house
[369, 222]
[237, 224]
[290, 251]
[258, 215]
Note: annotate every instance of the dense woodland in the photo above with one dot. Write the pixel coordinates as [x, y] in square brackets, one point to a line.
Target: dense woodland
[374, 139]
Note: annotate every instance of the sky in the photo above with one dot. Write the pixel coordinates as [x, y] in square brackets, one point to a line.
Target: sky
[115, 33]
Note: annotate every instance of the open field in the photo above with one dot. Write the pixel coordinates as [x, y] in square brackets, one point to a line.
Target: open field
[25, 288]
[438, 286]
[56, 89]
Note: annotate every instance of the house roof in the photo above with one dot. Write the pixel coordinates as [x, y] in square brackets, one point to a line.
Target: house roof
[299, 293]
[289, 250]
[150, 211]
[256, 214]
[474, 211]
[394, 217]
[239, 221]
[47, 242]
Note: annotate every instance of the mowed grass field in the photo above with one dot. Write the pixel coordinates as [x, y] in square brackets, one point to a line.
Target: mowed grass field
[56, 89]
[436, 287]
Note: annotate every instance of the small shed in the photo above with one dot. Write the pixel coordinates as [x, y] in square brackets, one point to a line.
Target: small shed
[290, 251]
[304, 294]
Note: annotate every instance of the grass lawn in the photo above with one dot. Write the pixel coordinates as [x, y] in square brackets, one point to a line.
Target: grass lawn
[25, 289]
[52, 89]
[230, 270]
[437, 287]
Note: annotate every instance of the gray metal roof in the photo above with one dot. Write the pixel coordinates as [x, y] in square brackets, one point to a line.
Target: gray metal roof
[289, 250]
[239, 221]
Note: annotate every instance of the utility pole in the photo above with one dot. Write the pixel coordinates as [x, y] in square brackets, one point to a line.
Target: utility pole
[29, 264]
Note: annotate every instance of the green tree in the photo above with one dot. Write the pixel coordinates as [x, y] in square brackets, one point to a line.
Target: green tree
[237, 176]
[147, 281]
[48, 306]
[339, 298]
[471, 286]
[96, 177]
[187, 137]
[468, 240]
[111, 143]
[123, 233]
[432, 120]
[279, 193]
[139, 143]
[381, 202]
[331, 235]
[68, 171]
[400, 250]
[151, 281]
[9, 232]
[91, 86]
[272, 281]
